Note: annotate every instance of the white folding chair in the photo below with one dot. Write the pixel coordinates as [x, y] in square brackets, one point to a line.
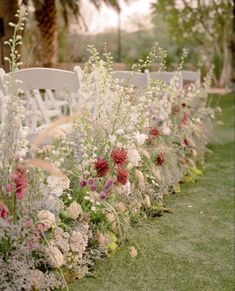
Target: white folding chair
[166, 77]
[191, 76]
[47, 91]
[129, 78]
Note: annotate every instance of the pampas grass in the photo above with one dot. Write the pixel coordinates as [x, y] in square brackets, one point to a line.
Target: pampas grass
[44, 165]
[47, 132]
[140, 178]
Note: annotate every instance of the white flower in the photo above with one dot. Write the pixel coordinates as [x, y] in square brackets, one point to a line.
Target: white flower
[166, 130]
[112, 139]
[125, 189]
[37, 279]
[134, 157]
[54, 257]
[120, 132]
[110, 217]
[140, 138]
[57, 184]
[77, 242]
[133, 252]
[47, 217]
[147, 200]
[74, 210]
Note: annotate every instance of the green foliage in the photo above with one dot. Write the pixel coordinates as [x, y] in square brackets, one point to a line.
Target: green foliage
[207, 25]
[5, 246]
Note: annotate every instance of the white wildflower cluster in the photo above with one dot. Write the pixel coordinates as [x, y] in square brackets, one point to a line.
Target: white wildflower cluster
[54, 185]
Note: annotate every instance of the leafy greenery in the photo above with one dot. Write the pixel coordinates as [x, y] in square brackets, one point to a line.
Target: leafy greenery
[206, 25]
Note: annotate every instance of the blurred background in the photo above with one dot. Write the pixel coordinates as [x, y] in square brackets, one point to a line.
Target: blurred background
[58, 31]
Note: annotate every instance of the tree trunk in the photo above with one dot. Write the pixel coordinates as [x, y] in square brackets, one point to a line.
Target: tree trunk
[8, 10]
[45, 14]
[225, 75]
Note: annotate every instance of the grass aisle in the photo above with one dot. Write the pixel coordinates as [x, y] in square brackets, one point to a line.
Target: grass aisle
[192, 249]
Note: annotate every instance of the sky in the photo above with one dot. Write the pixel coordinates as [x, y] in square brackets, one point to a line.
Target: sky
[107, 18]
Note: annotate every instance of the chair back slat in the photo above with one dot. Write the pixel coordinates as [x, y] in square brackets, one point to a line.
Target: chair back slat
[166, 77]
[129, 78]
[45, 78]
[191, 76]
[47, 92]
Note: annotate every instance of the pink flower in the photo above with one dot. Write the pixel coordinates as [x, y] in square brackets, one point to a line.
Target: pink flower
[93, 188]
[108, 185]
[83, 183]
[9, 188]
[91, 181]
[20, 180]
[103, 195]
[184, 119]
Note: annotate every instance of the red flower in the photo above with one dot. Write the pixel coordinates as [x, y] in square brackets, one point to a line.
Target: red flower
[3, 211]
[20, 180]
[154, 132]
[160, 159]
[184, 119]
[186, 142]
[122, 175]
[119, 156]
[101, 167]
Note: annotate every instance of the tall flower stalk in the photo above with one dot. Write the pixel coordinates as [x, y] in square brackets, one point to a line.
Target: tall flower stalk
[13, 114]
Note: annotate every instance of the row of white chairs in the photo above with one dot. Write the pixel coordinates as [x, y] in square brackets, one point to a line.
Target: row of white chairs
[140, 80]
[50, 93]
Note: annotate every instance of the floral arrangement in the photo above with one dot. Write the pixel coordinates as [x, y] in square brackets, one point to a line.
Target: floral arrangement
[65, 204]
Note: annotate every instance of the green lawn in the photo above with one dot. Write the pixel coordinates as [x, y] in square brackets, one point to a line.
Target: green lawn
[192, 249]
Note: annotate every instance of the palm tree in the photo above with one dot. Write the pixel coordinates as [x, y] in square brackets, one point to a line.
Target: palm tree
[45, 14]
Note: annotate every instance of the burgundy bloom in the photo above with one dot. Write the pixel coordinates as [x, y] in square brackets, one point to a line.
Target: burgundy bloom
[101, 167]
[154, 132]
[103, 195]
[160, 159]
[83, 183]
[90, 181]
[122, 175]
[93, 188]
[119, 156]
[186, 142]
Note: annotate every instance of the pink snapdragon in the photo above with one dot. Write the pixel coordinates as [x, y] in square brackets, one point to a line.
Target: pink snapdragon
[20, 180]
[184, 119]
